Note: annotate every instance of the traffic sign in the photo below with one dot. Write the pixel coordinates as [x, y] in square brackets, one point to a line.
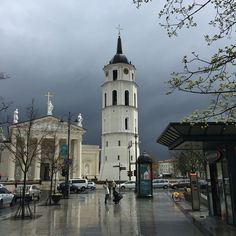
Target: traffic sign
[63, 150]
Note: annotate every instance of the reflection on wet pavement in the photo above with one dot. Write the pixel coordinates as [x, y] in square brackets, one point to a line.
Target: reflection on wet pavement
[86, 214]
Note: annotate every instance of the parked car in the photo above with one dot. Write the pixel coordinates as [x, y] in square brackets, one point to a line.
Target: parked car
[6, 197]
[76, 185]
[62, 187]
[91, 185]
[127, 185]
[31, 192]
[184, 183]
[160, 183]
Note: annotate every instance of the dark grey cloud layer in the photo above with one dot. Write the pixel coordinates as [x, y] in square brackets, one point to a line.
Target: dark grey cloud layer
[62, 46]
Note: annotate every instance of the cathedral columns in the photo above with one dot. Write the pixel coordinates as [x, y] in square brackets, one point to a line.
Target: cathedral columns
[76, 158]
[57, 154]
[80, 157]
[37, 163]
[12, 162]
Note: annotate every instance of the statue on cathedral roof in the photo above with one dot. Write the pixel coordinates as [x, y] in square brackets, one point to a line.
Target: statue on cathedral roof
[16, 116]
[80, 120]
[50, 108]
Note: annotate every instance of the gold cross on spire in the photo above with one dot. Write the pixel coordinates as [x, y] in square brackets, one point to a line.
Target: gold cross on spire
[119, 29]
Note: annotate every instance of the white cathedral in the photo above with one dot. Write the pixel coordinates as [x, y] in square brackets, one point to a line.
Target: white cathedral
[45, 131]
[120, 145]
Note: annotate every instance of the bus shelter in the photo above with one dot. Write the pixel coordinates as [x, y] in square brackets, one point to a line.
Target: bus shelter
[218, 143]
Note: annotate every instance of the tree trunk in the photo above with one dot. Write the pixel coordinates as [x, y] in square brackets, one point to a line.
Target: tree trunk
[23, 196]
[50, 192]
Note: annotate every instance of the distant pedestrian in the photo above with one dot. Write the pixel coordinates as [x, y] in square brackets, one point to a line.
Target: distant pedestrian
[109, 186]
[113, 185]
[107, 192]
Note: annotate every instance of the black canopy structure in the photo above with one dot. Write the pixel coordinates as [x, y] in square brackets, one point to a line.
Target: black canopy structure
[197, 136]
[219, 139]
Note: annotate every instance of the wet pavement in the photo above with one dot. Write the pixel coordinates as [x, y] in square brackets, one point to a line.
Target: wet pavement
[86, 214]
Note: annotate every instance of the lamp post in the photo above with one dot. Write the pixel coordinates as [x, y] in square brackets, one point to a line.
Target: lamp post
[135, 137]
[129, 146]
[68, 158]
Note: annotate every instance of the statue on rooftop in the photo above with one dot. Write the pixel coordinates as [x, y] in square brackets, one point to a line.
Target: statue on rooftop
[80, 120]
[16, 117]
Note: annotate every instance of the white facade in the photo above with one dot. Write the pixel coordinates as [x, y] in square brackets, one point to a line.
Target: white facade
[166, 167]
[85, 158]
[119, 118]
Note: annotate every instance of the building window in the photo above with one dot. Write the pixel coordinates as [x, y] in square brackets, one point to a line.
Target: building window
[118, 157]
[126, 123]
[115, 72]
[105, 99]
[126, 98]
[118, 142]
[114, 97]
[132, 76]
[106, 143]
[135, 99]
[131, 158]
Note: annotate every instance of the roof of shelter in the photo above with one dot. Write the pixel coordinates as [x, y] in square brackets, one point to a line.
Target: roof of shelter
[198, 136]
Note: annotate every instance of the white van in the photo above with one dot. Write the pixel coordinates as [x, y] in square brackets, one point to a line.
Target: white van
[81, 184]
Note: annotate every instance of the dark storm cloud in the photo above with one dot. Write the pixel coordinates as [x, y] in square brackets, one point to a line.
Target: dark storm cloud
[62, 46]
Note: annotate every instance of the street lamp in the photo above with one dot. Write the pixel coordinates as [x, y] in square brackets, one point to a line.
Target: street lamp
[129, 146]
[136, 145]
[68, 158]
[67, 161]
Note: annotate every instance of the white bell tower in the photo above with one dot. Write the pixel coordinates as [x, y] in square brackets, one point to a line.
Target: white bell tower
[120, 146]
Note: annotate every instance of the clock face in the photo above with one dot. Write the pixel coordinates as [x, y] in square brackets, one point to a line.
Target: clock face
[126, 71]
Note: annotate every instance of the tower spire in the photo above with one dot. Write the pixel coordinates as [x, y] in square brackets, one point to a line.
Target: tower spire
[119, 45]
[119, 56]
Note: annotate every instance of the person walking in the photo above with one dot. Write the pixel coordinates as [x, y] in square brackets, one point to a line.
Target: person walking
[113, 185]
[107, 192]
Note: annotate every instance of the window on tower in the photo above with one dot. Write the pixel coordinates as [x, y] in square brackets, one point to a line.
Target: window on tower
[126, 98]
[126, 123]
[114, 97]
[118, 157]
[131, 158]
[106, 143]
[115, 73]
[105, 99]
[135, 99]
[118, 142]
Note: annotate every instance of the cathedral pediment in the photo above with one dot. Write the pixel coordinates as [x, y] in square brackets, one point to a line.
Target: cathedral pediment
[48, 124]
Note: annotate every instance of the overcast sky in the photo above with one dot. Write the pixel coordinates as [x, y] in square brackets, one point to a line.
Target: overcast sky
[62, 46]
